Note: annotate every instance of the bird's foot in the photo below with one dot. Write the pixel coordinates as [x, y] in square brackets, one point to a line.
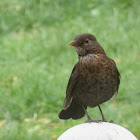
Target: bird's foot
[90, 121]
[97, 121]
[107, 121]
[111, 121]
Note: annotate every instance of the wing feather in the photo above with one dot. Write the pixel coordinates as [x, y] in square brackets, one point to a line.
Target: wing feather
[71, 84]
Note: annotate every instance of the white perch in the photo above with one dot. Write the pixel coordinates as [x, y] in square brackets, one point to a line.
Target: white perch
[97, 131]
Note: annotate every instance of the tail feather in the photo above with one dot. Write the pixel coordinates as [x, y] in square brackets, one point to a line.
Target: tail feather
[74, 111]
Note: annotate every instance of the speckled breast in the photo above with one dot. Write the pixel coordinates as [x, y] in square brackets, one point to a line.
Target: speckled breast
[97, 80]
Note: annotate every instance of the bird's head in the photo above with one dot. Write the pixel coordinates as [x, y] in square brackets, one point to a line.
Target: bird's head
[86, 44]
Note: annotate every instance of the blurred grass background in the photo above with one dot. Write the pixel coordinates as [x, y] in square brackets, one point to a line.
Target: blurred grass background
[36, 62]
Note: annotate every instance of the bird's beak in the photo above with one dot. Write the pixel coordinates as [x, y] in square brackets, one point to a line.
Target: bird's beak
[73, 43]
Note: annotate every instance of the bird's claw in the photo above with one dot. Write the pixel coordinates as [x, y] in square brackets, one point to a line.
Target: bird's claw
[107, 121]
[97, 121]
[111, 121]
[90, 121]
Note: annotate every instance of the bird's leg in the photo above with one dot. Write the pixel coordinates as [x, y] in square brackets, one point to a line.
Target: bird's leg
[89, 119]
[103, 118]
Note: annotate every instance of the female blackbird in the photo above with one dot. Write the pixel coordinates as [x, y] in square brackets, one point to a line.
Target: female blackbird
[94, 79]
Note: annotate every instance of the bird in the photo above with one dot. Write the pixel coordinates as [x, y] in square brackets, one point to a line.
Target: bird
[94, 80]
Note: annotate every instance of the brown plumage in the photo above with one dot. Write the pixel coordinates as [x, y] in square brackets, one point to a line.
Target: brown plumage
[94, 80]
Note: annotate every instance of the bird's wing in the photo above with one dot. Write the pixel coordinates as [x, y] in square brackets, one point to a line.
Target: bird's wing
[71, 84]
[118, 76]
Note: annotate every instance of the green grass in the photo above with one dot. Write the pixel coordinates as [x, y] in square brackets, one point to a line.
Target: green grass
[36, 62]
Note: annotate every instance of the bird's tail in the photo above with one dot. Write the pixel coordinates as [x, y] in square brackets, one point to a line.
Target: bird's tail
[74, 111]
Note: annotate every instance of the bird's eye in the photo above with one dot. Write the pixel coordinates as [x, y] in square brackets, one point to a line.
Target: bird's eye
[86, 40]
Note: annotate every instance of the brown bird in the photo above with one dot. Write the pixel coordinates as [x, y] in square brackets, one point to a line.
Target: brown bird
[94, 79]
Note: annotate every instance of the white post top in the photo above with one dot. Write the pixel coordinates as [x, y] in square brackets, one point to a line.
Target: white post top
[97, 131]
